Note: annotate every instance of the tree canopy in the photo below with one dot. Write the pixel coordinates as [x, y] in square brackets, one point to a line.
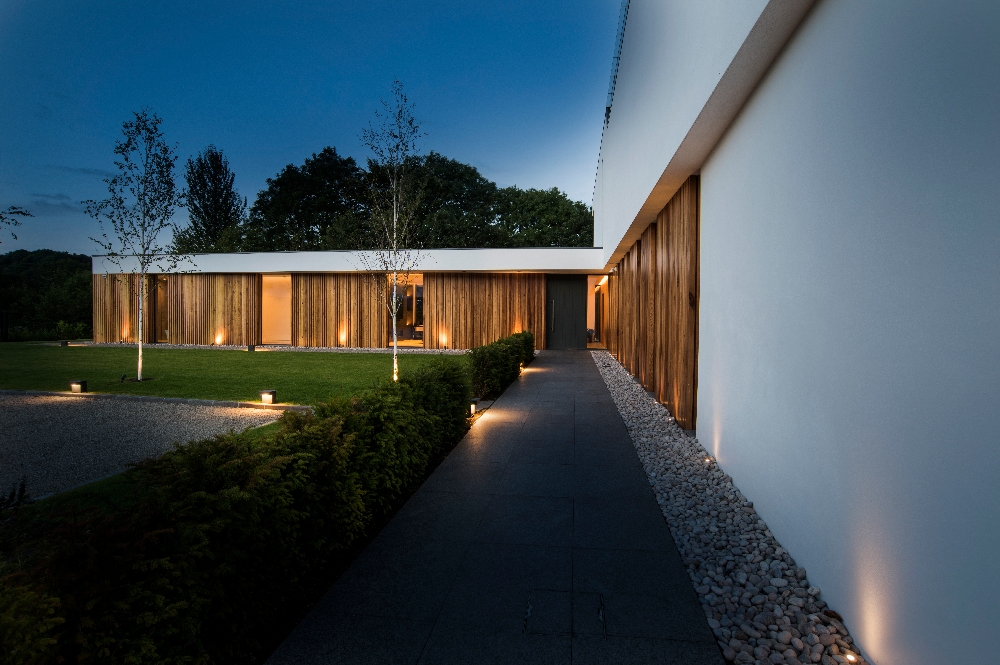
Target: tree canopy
[322, 205]
[318, 205]
[215, 210]
[41, 288]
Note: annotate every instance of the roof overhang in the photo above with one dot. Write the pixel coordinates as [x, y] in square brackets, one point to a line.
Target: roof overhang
[581, 260]
[676, 155]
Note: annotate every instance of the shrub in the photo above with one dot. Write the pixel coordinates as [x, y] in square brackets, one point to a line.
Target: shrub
[495, 366]
[27, 622]
[221, 545]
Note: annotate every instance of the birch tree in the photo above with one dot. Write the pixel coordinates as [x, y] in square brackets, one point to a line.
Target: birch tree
[394, 193]
[9, 217]
[141, 201]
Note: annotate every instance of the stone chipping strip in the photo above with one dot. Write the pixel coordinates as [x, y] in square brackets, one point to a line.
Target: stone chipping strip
[758, 602]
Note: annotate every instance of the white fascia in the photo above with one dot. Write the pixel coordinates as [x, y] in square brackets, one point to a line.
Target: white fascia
[581, 260]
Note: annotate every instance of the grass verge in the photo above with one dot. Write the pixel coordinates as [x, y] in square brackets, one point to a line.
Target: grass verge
[299, 378]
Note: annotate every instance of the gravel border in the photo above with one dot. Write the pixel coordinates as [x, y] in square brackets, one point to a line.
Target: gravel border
[758, 603]
[275, 347]
[56, 443]
[172, 400]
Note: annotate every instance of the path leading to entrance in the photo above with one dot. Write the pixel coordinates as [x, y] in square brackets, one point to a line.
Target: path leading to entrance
[537, 540]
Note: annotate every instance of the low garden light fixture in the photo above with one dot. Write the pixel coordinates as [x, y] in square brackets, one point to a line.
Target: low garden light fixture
[78, 386]
[850, 657]
[473, 403]
[250, 348]
[269, 396]
[64, 342]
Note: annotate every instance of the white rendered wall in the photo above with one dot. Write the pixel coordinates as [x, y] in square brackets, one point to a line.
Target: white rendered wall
[849, 371]
[685, 70]
[664, 80]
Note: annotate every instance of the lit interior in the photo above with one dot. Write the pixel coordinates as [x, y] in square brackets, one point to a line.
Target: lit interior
[410, 316]
[596, 310]
[276, 309]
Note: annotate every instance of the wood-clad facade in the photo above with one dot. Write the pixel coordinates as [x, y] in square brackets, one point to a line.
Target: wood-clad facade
[212, 309]
[199, 309]
[465, 310]
[337, 309]
[116, 309]
[652, 317]
[646, 311]
[461, 310]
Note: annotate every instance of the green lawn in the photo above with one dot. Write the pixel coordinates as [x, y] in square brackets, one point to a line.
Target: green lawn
[299, 378]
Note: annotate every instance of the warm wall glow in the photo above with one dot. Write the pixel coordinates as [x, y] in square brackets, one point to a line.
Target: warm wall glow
[443, 340]
[342, 336]
[219, 338]
[603, 281]
[874, 587]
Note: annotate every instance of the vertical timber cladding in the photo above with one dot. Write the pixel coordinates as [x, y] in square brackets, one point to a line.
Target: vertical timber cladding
[465, 310]
[200, 308]
[653, 306]
[219, 309]
[116, 309]
[337, 309]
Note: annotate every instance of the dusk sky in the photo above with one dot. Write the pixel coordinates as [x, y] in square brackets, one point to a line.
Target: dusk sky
[515, 88]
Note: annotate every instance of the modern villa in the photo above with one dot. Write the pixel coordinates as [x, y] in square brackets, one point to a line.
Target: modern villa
[797, 251]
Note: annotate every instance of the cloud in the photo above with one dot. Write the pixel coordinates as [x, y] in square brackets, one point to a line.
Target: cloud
[54, 205]
[78, 170]
[53, 197]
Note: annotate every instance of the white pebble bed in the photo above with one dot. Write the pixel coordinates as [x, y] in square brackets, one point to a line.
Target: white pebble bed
[758, 602]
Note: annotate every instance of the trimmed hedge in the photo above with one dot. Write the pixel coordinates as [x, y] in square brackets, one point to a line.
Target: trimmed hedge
[222, 545]
[495, 366]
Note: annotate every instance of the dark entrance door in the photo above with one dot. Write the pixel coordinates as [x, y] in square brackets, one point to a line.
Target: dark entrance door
[566, 311]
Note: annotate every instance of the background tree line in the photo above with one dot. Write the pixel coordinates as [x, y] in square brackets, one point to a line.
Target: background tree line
[45, 294]
[323, 205]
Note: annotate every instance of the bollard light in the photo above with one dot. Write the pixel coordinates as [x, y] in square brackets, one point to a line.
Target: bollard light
[269, 396]
[472, 406]
[78, 386]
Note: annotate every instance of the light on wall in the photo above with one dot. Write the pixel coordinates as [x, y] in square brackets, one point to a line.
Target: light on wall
[443, 339]
[218, 338]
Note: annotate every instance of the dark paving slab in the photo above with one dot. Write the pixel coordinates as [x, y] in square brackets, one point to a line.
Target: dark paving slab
[537, 540]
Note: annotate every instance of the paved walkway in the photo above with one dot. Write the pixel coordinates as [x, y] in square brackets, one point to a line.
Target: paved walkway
[536, 541]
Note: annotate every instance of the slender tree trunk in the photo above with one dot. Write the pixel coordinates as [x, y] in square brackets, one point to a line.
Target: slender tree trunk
[395, 338]
[395, 279]
[142, 297]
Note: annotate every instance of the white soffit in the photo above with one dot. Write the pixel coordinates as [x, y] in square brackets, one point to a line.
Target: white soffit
[585, 260]
[771, 30]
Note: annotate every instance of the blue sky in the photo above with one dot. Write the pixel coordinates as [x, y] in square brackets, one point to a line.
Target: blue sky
[515, 88]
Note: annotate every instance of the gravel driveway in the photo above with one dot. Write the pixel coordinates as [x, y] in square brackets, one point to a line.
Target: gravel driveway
[60, 442]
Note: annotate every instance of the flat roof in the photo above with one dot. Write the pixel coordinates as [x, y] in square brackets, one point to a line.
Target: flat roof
[583, 260]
